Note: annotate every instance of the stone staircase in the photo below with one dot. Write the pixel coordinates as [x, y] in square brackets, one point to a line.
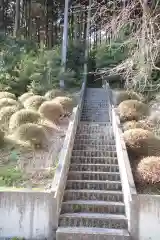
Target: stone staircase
[93, 207]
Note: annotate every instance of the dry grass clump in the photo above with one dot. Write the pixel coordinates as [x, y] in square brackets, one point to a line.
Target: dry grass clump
[23, 116]
[5, 115]
[25, 96]
[154, 117]
[132, 110]
[34, 102]
[54, 93]
[144, 124]
[51, 111]
[4, 102]
[66, 102]
[136, 96]
[148, 171]
[122, 95]
[141, 142]
[130, 125]
[7, 95]
[31, 133]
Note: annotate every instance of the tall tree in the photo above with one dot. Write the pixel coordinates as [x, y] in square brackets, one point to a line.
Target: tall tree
[17, 18]
[1, 15]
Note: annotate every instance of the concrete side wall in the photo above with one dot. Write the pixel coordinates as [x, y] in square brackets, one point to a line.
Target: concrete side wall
[60, 178]
[128, 185]
[26, 214]
[146, 217]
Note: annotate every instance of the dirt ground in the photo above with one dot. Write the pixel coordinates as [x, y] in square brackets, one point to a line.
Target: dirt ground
[36, 166]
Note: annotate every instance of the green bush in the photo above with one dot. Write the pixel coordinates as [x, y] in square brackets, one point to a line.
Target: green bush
[76, 58]
[25, 67]
[109, 55]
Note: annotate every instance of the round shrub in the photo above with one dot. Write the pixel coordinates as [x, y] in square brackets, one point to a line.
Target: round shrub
[136, 96]
[141, 142]
[32, 133]
[75, 97]
[34, 102]
[7, 95]
[132, 110]
[25, 96]
[130, 125]
[154, 117]
[23, 116]
[66, 102]
[4, 102]
[5, 115]
[144, 124]
[54, 93]
[148, 170]
[51, 111]
[122, 95]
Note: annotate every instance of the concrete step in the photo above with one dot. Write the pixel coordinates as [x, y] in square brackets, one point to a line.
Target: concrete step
[94, 147]
[95, 90]
[93, 185]
[88, 125]
[95, 119]
[84, 233]
[98, 154]
[90, 130]
[94, 99]
[97, 137]
[92, 206]
[97, 220]
[96, 95]
[95, 111]
[94, 160]
[99, 195]
[89, 101]
[96, 105]
[100, 176]
[94, 142]
[95, 167]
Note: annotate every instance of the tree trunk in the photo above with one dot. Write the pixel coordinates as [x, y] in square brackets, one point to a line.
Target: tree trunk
[2, 15]
[17, 19]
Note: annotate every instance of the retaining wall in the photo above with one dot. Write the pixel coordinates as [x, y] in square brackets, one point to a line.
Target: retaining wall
[33, 214]
[26, 214]
[128, 186]
[145, 217]
[142, 211]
